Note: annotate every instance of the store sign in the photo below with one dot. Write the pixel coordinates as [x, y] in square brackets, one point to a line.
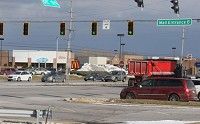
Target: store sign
[75, 64]
[42, 60]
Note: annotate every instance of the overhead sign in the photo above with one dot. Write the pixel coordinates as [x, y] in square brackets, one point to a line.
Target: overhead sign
[106, 24]
[174, 22]
[51, 3]
[75, 64]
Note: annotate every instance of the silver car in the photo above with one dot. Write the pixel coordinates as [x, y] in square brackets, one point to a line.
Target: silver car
[54, 77]
[115, 76]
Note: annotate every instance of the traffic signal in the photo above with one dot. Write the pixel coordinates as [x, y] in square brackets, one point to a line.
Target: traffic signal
[62, 29]
[175, 6]
[94, 28]
[140, 3]
[25, 28]
[130, 28]
[1, 28]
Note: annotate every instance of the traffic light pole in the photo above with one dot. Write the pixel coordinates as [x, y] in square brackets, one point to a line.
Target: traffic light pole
[68, 63]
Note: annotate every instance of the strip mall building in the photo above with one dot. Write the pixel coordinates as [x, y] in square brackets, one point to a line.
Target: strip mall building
[38, 58]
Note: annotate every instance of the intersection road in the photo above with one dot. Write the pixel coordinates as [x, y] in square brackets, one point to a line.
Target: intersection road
[36, 95]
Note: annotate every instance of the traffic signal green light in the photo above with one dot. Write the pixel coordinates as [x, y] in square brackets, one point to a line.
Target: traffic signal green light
[1, 28]
[25, 29]
[130, 28]
[62, 29]
[94, 28]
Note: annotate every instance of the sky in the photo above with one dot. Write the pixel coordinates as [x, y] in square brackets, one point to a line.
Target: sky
[148, 40]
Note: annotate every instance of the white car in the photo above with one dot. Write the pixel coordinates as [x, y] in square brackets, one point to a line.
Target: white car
[197, 85]
[20, 76]
[41, 71]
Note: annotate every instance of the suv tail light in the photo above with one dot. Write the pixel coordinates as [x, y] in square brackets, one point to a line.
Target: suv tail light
[186, 91]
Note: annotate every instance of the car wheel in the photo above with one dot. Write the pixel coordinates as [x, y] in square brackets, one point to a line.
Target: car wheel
[174, 97]
[18, 79]
[130, 96]
[29, 79]
[53, 80]
[94, 79]
[124, 79]
[115, 80]
[85, 79]
[105, 80]
[199, 96]
[130, 82]
[64, 80]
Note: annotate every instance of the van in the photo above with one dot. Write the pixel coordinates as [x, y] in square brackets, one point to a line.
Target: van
[163, 88]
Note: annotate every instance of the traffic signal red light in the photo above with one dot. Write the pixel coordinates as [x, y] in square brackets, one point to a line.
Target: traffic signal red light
[94, 29]
[26, 28]
[175, 6]
[130, 28]
[140, 3]
[1, 28]
[62, 29]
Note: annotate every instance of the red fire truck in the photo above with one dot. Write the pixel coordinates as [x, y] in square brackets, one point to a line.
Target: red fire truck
[155, 66]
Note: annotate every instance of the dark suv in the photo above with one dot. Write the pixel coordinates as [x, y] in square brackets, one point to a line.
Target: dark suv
[7, 71]
[171, 89]
[115, 76]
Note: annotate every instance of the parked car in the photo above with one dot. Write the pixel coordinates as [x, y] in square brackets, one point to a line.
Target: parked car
[7, 71]
[171, 89]
[54, 77]
[20, 76]
[197, 85]
[94, 76]
[31, 71]
[116, 76]
[42, 71]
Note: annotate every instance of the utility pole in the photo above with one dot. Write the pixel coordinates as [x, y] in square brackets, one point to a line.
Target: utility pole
[68, 63]
[182, 44]
[182, 48]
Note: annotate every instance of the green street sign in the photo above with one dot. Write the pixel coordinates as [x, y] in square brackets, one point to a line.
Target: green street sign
[51, 3]
[174, 22]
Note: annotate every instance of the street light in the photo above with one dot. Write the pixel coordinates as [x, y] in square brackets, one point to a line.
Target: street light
[57, 54]
[114, 56]
[1, 51]
[123, 44]
[173, 48]
[120, 35]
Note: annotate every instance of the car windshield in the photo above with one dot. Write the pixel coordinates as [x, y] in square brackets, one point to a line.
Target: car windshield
[114, 72]
[93, 74]
[17, 73]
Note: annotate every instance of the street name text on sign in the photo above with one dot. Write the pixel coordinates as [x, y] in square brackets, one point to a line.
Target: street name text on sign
[174, 22]
[51, 3]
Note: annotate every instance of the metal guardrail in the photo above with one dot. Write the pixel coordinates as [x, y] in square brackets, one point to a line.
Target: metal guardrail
[27, 113]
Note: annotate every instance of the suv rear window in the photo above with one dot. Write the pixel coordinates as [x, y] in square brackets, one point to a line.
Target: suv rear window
[196, 82]
[190, 84]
